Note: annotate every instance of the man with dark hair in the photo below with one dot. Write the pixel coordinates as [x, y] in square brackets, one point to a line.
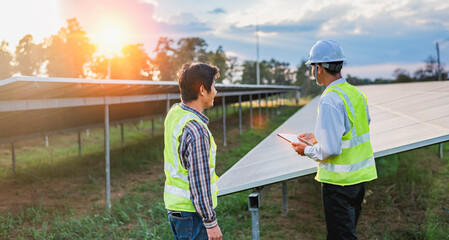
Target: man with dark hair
[190, 192]
[342, 146]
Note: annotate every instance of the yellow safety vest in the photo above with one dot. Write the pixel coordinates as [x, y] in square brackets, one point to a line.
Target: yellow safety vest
[356, 162]
[176, 191]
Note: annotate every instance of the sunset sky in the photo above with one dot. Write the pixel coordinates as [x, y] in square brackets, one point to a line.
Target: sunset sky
[376, 36]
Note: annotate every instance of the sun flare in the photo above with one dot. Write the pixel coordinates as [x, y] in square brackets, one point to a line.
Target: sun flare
[110, 37]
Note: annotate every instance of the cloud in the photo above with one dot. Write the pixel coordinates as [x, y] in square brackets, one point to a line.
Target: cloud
[372, 33]
[183, 29]
[217, 11]
[182, 18]
[153, 2]
[136, 17]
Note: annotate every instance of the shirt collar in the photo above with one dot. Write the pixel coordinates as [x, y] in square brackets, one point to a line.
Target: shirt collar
[200, 115]
[338, 81]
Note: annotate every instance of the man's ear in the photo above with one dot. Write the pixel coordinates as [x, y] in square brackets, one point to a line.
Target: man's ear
[320, 68]
[202, 90]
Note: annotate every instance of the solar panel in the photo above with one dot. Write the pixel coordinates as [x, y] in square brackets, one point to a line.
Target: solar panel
[403, 117]
[32, 105]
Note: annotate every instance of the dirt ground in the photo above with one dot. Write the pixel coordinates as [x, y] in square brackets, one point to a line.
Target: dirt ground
[76, 193]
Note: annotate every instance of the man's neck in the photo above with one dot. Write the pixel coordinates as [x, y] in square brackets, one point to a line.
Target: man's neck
[331, 79]
[195, 105]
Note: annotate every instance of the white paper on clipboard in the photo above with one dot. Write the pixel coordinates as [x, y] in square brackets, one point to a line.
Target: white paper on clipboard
[292, 138]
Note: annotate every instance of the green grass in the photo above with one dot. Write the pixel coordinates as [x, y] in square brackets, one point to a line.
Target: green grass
[406, 202]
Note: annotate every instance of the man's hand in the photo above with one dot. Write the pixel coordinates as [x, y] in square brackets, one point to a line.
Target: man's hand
[299, 147]
[310, 137]
[214, 233]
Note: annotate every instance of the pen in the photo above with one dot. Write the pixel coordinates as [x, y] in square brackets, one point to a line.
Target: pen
[305, 141]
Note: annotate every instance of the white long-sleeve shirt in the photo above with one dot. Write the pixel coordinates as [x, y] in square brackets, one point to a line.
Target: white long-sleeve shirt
[331, 124]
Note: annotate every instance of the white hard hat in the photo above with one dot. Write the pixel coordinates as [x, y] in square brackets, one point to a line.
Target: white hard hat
[325, 51]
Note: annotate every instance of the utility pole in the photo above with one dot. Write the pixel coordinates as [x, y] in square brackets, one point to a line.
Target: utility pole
[257, 50]
[438, 60]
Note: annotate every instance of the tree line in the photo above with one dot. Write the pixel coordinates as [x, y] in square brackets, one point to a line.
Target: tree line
[427, 73]
[70, 53]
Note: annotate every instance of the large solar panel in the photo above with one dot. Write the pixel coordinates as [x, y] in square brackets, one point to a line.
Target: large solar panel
[404, 116]
[23, 87]
[33, 105]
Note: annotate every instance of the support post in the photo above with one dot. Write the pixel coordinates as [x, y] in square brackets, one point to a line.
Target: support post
[297, 97]
[251, 111]
[87, 132]
[277, 104]
[284, 198]
[282, 102]
[441, 150]
[253, 206]
[152, 127]
[216, 111]
[107, 155]
[240, 114]
[13, 154]
[168, 103]
[46, 141]
[224, 120]
[273, 104]
[260, 111]
[80, 152]
[122, 134]
[266, 106]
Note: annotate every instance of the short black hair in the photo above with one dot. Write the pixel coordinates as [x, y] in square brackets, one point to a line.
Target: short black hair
[192, 75]
[334, 67]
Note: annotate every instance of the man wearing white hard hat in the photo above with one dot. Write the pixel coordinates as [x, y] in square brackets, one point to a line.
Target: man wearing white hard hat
[341, 143]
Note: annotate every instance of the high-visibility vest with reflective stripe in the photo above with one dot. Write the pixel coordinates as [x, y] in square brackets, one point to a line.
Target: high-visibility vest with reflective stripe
[356, 162]
[176, 190]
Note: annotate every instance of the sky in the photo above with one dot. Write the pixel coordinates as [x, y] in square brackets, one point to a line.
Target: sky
[376, 36]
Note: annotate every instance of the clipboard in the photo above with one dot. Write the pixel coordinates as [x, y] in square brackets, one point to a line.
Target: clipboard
[292, 138]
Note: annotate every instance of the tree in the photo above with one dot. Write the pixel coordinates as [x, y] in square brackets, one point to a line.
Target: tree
[231, 66]
[29, 56]
[358, 81]
[169, 59]
[5, 61]
[69, 51]
[281, 73]
[133, 65]
[402, 75]
[99, 67]
[164, 61]
[429, 72]
[218, 59]
[191, 50]
[303, 77]
[249, 72]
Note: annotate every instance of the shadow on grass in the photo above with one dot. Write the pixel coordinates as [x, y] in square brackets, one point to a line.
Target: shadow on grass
[135, 156]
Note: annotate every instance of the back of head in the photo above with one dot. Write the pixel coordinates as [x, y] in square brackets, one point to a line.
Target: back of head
[192, 75]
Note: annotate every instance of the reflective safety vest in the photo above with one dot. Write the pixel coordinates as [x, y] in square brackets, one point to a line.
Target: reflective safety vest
[176, 191]
[356, 162]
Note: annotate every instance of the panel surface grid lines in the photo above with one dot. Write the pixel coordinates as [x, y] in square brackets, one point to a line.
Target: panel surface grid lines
[403, 117]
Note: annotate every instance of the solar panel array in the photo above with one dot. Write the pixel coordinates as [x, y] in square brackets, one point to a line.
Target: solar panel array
[32, 105]
[404, 116]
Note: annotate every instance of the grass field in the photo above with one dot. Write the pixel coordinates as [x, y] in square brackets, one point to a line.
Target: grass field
[57, 195]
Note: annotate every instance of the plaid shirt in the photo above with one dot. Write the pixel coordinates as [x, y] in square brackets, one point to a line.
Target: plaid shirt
[194, 153]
